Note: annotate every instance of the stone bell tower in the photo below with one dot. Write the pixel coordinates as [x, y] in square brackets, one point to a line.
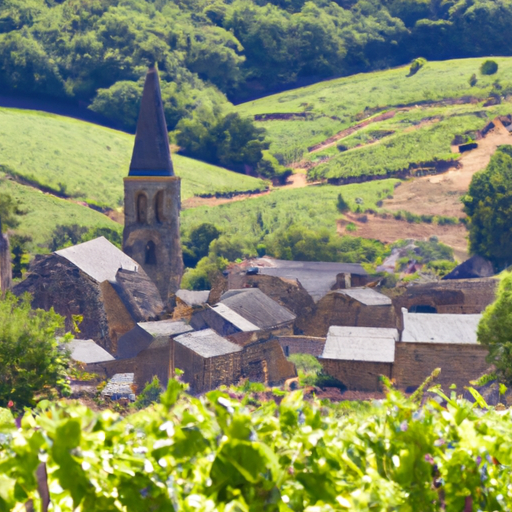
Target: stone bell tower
[152, 197]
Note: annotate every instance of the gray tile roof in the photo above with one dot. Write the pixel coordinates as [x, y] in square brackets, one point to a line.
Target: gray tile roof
[440, 328]
[193, 298]
[207, 343]
[367, 296]
[369, 344]
[316, 277]
[120, 386]
[86, 351]
[98, 258]
[256, 307]
[165, 327]
[151, 154]
[234, 318]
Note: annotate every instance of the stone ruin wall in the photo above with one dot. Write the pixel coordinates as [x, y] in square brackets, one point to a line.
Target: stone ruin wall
[357, 375]
[302, 345]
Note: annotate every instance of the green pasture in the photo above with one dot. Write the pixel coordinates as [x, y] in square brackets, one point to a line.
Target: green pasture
[334, 105]
[411, 142]
[88, 162]
[312, 207]
[42, 212]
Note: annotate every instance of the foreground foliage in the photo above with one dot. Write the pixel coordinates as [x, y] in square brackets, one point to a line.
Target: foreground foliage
[229, 452]
[31, 366]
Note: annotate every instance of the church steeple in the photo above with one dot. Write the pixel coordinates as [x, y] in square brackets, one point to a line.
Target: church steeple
[151, 233]
[151, 155]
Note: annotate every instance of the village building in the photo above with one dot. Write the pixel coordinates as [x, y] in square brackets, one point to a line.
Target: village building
[5, 262]
[357, 307]
[245, 310]
[452, 296]
[152, 197]
[96, 285]
[86, 351]
[358, 356]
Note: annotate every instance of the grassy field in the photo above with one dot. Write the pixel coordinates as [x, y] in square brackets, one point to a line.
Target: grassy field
[312, 207]
[42, 212]
[88, 162]
[419, 136]
[336, 104]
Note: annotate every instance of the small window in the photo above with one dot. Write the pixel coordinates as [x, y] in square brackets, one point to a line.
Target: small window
[150, 253]
[159, 207]
[286, 350]
[142, 209]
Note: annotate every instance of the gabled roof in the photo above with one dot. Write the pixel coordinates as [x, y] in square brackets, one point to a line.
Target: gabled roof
[368, 344]
[98, 258]
[316, 277]
[193, 298]
[440, 328]
[86, 351]
[151, 154]
[165, 327]
[366, 296]
[234, 318]
[207, 343]
[256, 307]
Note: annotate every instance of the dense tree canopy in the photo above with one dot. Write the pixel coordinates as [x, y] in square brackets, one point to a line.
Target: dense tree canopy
[488, 205]
[97, 51]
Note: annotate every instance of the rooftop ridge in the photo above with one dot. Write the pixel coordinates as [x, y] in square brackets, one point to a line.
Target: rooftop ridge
[151, 154]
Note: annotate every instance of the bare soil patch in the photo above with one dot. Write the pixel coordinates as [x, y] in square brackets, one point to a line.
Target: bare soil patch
[389, 230]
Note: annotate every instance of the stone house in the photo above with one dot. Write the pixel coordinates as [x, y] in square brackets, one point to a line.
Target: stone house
[358, 356]
[357, 307]
[245, 310]
[86, 351]
[97, 281]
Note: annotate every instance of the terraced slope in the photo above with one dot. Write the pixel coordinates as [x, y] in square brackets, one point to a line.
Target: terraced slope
[306, 117]
[87, 162]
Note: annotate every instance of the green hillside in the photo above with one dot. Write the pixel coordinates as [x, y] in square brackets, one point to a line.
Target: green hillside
[88, 162]
[42, 212]
[321, 110]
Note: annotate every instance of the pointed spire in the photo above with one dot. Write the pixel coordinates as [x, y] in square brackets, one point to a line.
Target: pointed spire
[151, 155]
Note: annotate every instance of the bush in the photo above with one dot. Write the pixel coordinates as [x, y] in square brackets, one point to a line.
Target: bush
[150, 394]
[305, 363]
[31, 365]
[416, 65]
[472, 80]
[489, 67]
[341, 205]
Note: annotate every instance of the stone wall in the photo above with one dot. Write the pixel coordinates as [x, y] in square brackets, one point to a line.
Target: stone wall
[302, 345]
[459, 364]
[454, 296]
[339, 309]
[55, 282]
[357, 375]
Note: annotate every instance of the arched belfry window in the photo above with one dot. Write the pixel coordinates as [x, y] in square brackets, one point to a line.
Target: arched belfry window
[142, 208]
[159, 206]
[150, 258]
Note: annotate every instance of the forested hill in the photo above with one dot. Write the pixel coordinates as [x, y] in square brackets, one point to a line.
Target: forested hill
[210, 51]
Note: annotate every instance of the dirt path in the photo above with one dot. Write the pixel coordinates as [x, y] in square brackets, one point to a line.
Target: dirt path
[297, 180]
[432, 195]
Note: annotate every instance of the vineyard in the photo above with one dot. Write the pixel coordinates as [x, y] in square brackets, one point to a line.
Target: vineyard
[238, 451]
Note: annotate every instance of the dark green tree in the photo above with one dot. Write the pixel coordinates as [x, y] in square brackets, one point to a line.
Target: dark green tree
[489, 67]
[31, 365]
[488, 206]
[64, 236]
[341, 205]
[495, 329]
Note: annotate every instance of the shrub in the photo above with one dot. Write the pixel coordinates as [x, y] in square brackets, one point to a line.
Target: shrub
[489, 67]
[150, 394]
[342, 205]
[31, 365]
[416, 65]
[305, 363]
[472, 80]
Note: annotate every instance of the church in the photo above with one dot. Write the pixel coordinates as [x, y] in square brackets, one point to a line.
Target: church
[124, 300]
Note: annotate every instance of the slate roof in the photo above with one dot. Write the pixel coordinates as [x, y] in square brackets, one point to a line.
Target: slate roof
[86, 351]
[151, 155]
[367, 296]
[256, 307]
[440, 328]
[234, 318]
[98, 258]
[368, 344]
[207, 343]
[316, 277]
[165, 327]
[193, 298]
[120, 386]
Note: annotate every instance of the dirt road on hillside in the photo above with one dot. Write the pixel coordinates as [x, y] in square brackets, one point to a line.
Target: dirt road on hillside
[433, 195]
